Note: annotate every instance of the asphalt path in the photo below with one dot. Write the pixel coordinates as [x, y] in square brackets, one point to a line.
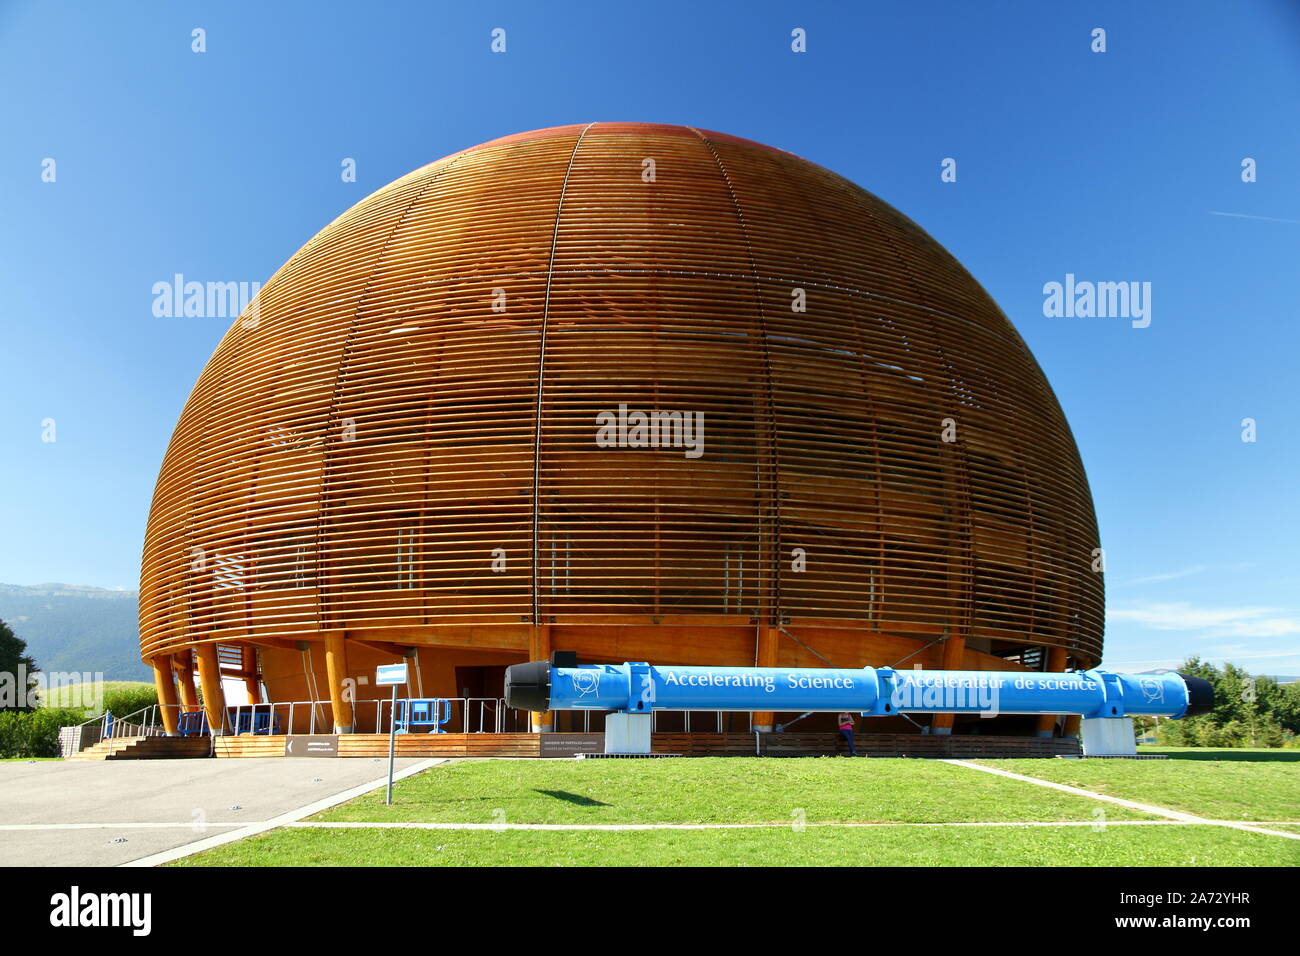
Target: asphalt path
[110, 812]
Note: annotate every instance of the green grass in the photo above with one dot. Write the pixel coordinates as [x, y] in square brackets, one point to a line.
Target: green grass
[714, 790]
[78, 695]
[815, 846]
[1245, 785]
[1223, 784]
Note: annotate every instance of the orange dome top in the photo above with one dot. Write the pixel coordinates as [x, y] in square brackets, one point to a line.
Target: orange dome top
[593, 371]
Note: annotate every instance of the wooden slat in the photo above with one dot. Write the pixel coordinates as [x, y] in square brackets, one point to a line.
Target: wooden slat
[692, 745]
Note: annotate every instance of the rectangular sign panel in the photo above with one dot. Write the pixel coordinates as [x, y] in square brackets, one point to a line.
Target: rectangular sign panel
[303, 745]
[570, 745]
[389, 674]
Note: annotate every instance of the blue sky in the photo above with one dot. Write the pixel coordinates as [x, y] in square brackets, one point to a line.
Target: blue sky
[1122, 165]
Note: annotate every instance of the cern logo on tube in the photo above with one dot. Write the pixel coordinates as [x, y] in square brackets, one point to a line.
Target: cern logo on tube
[586, 682]
[1153, 690]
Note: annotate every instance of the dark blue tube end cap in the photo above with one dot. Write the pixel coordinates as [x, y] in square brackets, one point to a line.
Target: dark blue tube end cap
[528, 686]
[1200, 695]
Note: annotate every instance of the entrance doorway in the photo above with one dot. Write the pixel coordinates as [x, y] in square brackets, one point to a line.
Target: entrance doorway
[481, 709]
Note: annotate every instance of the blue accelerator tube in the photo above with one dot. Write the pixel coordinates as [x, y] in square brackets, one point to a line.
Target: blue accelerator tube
[871, 691]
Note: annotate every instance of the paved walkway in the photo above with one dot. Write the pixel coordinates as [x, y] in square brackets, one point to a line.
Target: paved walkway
[111, 812]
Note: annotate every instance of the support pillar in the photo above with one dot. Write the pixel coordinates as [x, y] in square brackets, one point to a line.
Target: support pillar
[185, 676]
[954, 659]
[165, 682]
[1055, 664]
[539, 649]
[413, 655]
[765, 656]
[1109, 737]
[251, 684]
[1072, 722]
[627, 733]
[214, 698]
[336, 672]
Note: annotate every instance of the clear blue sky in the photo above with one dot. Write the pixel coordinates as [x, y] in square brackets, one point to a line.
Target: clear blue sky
[1111, 166]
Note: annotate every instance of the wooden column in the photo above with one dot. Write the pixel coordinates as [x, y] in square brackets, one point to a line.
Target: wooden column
[249, 657]
[1071, 728]
[1055, 664]
[165, 681]
[765, 654]
[336, 670]
[539, 649]
[185, 676]
[954, 659]
[214, 698]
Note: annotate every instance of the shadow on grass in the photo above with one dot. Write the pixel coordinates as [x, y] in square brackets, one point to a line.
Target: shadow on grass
[574, 798]
[1251, 756]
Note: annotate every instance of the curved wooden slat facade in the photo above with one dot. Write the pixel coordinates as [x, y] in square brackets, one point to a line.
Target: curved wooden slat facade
[398, 446]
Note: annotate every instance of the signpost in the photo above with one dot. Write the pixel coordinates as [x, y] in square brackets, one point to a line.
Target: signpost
[391, 675]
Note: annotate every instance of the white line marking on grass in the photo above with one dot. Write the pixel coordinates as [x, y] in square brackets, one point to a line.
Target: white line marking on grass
[417, 825]
[190, 825]
[1178, 815]
[617, 827]
[293, 816]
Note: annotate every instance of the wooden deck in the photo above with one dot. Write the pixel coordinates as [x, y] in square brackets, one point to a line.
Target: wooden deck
[691, 745]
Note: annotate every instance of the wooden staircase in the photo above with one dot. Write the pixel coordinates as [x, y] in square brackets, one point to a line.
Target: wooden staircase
[146, 748]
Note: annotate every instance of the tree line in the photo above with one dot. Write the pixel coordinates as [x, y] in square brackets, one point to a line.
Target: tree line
[1248, 711]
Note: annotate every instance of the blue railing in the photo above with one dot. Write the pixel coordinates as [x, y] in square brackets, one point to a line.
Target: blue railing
[431, 712]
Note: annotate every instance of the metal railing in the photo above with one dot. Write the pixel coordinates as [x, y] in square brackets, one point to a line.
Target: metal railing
[145, 722]
[469, 715]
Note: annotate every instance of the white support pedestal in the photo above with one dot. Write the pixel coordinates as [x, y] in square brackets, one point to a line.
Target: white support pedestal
[627, 733]
[1108, 737]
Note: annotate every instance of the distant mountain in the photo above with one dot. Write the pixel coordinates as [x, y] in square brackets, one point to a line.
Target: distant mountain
[71, 628]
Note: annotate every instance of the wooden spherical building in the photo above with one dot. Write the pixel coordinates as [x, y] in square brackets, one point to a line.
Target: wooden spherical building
[641, 392]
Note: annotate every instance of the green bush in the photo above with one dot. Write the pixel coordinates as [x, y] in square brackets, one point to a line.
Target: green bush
[1203, 731]
[125, 701]
[34, 733]
[1248, 711]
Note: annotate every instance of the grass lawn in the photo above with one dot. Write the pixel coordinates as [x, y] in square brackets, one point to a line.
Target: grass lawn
[715, 790]
[1224, 784]
[791, 791]
[815, 846]
[79, 695]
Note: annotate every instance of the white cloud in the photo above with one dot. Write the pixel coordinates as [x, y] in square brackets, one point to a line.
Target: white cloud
[1169, 575]
[1264, 636]
[1211, 622]
[1283, 662]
